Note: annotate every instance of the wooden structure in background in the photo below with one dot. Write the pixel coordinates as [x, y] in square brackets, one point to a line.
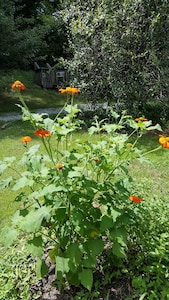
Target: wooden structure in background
[48, 78]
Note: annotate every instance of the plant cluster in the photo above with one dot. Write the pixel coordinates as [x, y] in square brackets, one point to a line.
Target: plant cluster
[78, 201]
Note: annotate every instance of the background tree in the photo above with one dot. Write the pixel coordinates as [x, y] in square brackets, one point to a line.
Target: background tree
[30, 31]
[120, 51]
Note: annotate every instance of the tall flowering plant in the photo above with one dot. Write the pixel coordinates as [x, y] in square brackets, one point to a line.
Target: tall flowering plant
[77, 198]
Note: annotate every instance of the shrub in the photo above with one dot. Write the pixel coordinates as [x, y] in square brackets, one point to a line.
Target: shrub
[77, 199]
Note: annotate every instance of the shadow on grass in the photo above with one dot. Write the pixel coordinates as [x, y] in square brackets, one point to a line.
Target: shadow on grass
[16, 129]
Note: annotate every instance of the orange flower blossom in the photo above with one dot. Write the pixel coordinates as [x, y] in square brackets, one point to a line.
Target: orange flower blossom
[69, 90]
[42, 133]
[164, 141]
[142, 119]
[26, 139]
[135, 199]
[18, 85]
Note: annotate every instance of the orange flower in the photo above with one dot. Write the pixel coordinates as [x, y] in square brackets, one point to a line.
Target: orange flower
[42, 133]
[135, 199]
[59, 166]
[62, 91]
[26, 139]
[69, 90]
[142, 119]
[164, 141]
[18, 85]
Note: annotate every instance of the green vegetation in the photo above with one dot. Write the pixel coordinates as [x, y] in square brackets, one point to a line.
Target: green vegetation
[80, 184]
[34, 95]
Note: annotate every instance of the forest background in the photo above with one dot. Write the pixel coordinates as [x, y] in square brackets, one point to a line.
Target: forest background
[114, 51]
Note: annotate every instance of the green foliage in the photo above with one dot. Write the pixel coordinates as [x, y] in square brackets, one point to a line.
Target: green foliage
[75, 197]
[120, 51]
[17, 272]
[33, 33]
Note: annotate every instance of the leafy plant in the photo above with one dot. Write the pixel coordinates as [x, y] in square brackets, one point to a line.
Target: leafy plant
[77, 200]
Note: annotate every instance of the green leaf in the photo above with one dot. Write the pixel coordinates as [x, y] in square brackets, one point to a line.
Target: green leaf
[33, 220]
[3, 167]
[51, 188]
[94, 247]
[156, 127]
[89, 262]
[74, 254]
[62, 266]
[118, 250]
[19, 197]
[41, 269]
[106, 223]
[22, 182]
[35, 246]
[8, 235]
[72, 174]
[86, 278]
[115, 214]
[33, 150]
[120, 235]
[4, 183]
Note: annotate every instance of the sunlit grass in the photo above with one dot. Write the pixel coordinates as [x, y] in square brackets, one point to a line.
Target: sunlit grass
[35, 96]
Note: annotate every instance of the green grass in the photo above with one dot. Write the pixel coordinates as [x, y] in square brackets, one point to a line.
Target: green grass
[35, 96]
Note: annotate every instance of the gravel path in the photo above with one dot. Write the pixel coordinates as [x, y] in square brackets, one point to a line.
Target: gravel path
[18, 116]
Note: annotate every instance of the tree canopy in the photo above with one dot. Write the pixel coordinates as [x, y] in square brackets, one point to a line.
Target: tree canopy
[120, 50]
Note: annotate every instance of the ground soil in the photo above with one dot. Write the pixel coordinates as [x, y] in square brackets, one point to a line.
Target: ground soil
[118, 289]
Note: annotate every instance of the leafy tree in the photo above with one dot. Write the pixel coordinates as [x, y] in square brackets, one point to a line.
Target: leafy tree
[35, 32]
[120, 50]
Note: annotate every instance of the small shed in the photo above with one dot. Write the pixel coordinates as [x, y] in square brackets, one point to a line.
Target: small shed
[47, 77]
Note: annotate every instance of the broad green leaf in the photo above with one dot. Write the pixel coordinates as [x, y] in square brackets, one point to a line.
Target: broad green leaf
[119, 234]
[72, 174]
[62, 266]
[9, 160]
[74, 254]
[33, 150]
[156, 127]
[3, 167]
[89, 262]
[22, 182]
[51, 188]
[4, 183]
[8, 235]
[106, 223]
[115, 214]
[33, 220]
[41, 269]
[86, 278]
[94, 247]
[118, 250]
[35, 246]
[53, 253]
[92, 130]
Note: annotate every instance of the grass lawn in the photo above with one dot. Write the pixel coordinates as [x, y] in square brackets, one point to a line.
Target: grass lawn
[34, 95]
